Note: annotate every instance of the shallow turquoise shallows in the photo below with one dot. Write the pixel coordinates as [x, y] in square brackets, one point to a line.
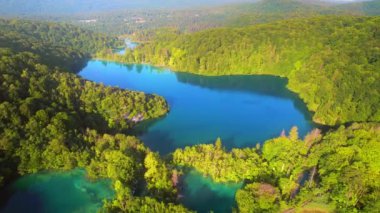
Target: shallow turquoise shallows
[204, 195]
[60, 192]
[241, 110]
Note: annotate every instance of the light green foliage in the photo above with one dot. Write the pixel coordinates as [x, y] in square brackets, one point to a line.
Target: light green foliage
[258, 197]
[222, 166]
[158, 177]
[127, 203]
[284, 155]
[349, 166]
[338, 172]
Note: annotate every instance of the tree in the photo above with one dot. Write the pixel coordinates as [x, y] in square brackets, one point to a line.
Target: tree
[293, 134]
[158, 177]
[258, 197]
[218, 144]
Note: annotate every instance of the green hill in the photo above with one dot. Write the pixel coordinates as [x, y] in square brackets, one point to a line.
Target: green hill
[61, 45]
[271, 10]
[52, 120]
[331, 62]
[371, 8]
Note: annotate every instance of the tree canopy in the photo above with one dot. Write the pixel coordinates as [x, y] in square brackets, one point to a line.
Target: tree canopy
[335, 172]
[332, 62]
[55, 44]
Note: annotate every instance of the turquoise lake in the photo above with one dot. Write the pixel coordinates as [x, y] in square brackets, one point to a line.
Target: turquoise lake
[203, 195]
[241, 110]
[60, 192]
[67, 192]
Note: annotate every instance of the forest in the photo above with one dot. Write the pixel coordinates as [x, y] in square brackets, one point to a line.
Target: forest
[332, 62]
[53, 120]
[133, 21]
[335, 172]
[56, 45]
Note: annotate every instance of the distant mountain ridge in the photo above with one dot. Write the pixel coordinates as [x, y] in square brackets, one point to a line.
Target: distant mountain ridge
[271, 10]
[61, 7]
[66, 7]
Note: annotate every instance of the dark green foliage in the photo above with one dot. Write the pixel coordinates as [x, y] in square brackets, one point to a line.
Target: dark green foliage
[332, 62]
[44, 113]
[54, 120]
[45, 120]
[61, 45]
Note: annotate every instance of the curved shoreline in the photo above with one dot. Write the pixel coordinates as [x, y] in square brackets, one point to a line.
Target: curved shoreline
[319, 123]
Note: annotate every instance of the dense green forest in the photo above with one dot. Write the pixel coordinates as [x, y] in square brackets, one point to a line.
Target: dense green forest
[130, 21]
[60, 45]
[337, 172]
[266, 11]
[51, 119]
[331, 62]
[134, 21]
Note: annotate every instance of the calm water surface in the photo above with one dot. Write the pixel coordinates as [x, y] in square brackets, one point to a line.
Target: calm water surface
[61, 192]
[128, 45]
[242, 110]
[204, 195]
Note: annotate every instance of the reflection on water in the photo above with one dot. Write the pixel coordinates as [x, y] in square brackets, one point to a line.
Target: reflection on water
[242, 110]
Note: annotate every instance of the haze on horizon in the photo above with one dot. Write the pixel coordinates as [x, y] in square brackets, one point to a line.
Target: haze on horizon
[60, 7]
[64, 7]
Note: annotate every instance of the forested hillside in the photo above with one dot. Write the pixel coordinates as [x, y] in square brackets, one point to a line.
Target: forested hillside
[130, 21]
[266, 11]
[331, 62]
[363, 7]
[338, 172]
[52, 120]
[61, 45]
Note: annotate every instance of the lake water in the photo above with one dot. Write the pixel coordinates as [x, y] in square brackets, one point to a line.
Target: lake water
[128, 45]
[204, 195]
[61, 192]
[241, 110]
